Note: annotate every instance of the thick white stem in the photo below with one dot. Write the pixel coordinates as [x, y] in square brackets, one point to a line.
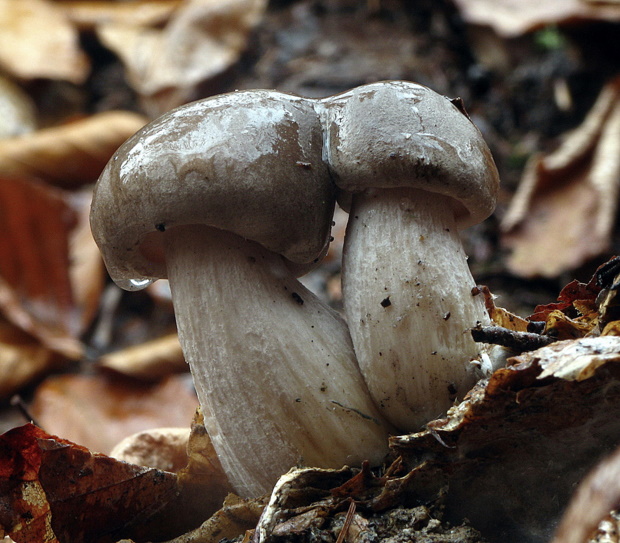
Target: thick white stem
[273, 366]
[409, 304]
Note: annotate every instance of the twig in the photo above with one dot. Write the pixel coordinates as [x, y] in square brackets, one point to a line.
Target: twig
[517, 341]
[347, 523]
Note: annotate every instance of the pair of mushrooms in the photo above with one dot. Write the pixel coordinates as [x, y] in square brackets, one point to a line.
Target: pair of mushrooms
[231, 198]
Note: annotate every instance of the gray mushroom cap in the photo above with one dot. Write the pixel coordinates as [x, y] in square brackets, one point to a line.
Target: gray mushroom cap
[400, 134]
[249, 162]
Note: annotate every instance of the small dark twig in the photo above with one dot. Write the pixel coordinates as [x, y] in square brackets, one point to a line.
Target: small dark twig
[347, 523]
[516, 341]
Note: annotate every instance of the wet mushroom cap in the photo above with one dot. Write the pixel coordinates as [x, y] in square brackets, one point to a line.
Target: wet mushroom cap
[400, 134]
[208, 163]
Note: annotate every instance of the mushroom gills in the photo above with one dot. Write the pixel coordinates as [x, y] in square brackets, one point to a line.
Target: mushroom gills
[408, 299]
[274, 367]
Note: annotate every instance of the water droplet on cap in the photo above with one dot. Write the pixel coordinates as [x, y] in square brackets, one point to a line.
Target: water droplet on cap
[134, 284]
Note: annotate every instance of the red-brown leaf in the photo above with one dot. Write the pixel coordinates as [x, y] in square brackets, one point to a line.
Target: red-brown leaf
[53, 490]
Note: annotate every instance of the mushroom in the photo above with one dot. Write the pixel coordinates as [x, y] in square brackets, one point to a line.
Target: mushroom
[413, 169]
[229, 198]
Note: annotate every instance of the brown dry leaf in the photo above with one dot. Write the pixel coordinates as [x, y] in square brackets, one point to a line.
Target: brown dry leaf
[87, 14]
[69, 155]
[51, 273]
[577, 360]
[513, 450]
[511, 18]
[99, 411]
[235, 518]
[202, 39]
[36, 292]
[148, 361]
[203, 486]
[565, 208]
[500, 316]
[159, 448]
[53, 490]
[37, 41]
[22, 359]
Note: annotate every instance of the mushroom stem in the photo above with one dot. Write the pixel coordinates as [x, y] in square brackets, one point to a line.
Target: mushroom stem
[273, 366]
[409, 304]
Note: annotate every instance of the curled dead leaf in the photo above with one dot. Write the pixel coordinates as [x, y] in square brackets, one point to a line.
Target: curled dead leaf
[201, 40]
[53, 490]
[510, 18]
[87, 14]
[51, 273]
[35, 288]
[148, 361]
[160, 448]
[79, 406]
[583, 176]
[72, 154]
[22, 359]
[37, 41]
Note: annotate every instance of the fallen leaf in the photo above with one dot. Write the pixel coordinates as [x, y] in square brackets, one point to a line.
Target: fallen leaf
[202, 39]
[51, 272]
[500, 316]
[577, 360]
[22, 359]
[52, 490]
[147, 361]
[87, 14]
[37, 41]
[160, 448]
[235, 518]
[81, 406]
[511, 18]
[35, 288]
[69, 155]
[564, 210]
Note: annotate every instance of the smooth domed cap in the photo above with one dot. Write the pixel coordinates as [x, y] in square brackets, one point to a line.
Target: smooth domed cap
[248, 162]
[401, 134]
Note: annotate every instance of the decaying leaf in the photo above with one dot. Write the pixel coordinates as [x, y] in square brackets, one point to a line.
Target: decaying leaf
[87, 14]
[53, 490]
[511, 18]
[22, 359]
[148, 361]
[69, 155]
[565, 208]
[80, 406]
[237, 517]
[202, 39]
[51, 277]
[37, 41]
[35, 286]
[160, 448]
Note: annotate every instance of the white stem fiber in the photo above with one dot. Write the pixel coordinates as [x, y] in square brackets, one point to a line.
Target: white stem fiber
[409, 304]
[273, 366]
